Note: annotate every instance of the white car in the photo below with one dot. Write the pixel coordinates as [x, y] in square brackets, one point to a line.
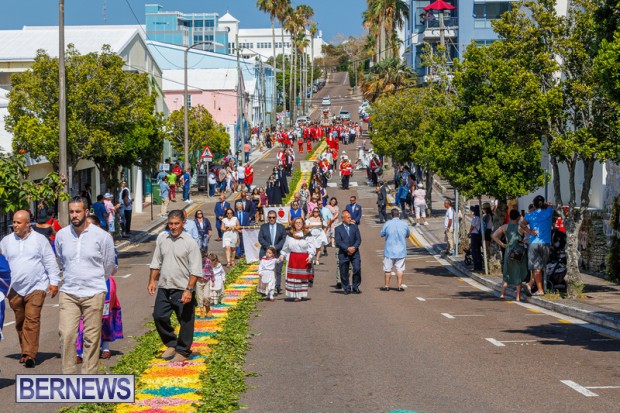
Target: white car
[344, 115]
[303, 120]
[326, 101]
[364, 107]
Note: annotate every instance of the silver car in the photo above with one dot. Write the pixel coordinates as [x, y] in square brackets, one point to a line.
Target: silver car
[326, 101]
[344, 115]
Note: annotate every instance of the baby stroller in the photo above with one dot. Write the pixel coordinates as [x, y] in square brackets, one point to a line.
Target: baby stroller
[555, 271]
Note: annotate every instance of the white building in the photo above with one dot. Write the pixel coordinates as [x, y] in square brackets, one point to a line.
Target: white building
[18, 49]
[259, 42]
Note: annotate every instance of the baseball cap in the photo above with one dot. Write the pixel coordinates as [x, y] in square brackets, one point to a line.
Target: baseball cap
[108, 195]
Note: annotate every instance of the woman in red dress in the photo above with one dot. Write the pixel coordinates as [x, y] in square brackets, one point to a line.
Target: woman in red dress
[299, 251]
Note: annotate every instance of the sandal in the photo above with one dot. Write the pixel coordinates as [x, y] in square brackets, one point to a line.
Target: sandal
[105, 354]
[538, 294]
[401, 289]
[386, 288]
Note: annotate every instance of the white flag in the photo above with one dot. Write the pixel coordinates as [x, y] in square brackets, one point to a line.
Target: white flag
[251, 245]
[281, 213]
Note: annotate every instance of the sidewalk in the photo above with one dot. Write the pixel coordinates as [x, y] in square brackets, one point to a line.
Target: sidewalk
[143, 225]
[600, 303]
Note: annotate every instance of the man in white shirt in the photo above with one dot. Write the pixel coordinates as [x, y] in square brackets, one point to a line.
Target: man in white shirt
[87, 257]
[33, 270]
[448, 225]
[240, 175]
[126, 202]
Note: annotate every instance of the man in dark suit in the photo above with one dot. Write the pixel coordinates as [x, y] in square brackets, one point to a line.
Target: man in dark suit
[355, 210]
[348, 240]
[272, 234]
[382, 202]
[244, 221]
[248, 206]
[220, 213]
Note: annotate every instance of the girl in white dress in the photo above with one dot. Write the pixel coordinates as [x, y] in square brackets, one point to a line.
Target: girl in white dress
[266, 270]
[219, 279]
[299, 251]
[230, 226]
[317, 231]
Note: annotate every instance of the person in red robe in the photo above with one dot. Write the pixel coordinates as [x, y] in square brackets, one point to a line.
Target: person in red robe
[249, 176]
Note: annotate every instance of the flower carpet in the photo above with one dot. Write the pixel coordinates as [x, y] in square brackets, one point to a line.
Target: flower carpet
[173, 387]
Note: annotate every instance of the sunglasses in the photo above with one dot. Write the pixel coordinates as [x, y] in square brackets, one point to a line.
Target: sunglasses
[271, 217]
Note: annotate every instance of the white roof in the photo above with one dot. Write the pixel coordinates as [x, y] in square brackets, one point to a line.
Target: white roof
[262, 32]
[22, 45]
[201, 79]
[228, 18]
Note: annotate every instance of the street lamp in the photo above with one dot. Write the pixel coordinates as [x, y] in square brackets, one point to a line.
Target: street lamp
[63, 207]
[185, 96]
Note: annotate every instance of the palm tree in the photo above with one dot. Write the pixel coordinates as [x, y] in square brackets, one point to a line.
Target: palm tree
[305, 14]
[292, 26]
[395, 12]
[283, 12]
[313, 31]
[388, 76]
[270, 7]
[381, 18]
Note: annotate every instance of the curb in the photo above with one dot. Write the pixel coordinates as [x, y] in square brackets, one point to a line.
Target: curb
[589, 316]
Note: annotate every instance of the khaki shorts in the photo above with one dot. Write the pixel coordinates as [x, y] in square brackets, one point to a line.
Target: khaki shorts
[397, 263]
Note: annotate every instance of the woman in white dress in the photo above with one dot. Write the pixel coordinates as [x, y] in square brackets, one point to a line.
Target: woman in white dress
[299, 251]
[316, 225]
[230, 226]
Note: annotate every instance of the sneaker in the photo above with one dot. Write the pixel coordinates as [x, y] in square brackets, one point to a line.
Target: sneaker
[426, 223]
[179, 358]
[30, 362]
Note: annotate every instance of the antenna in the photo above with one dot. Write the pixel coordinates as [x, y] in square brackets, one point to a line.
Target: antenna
[104, 11]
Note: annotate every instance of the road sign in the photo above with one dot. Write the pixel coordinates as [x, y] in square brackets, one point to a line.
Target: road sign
[207, 155]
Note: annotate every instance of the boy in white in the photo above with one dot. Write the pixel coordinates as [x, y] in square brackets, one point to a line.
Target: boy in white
[266, 270]
[219, 278]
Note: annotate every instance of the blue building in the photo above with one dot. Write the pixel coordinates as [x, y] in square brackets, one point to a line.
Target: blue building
[469, 22]
[185, 29]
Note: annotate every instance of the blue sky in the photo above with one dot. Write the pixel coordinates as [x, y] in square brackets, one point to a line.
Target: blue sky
[333, 16]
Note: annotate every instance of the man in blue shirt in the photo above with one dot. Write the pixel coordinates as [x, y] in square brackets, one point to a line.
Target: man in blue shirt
[396, 232]
[538, 225]
[186, 179]
[100, 212]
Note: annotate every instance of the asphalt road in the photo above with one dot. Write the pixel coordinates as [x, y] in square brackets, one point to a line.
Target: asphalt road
[443, 345]
[137, 307]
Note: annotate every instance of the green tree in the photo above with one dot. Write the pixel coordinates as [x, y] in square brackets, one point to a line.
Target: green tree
[561, 52]
[16, 191]
[203, 130]
[111, 116]
[388, 76]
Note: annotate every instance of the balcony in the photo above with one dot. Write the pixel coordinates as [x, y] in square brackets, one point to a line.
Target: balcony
[432, 31]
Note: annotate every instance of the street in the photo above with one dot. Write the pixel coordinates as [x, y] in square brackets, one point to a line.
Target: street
[445, 344]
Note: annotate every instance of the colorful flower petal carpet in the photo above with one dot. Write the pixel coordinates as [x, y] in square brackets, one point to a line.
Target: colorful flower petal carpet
[172, 387]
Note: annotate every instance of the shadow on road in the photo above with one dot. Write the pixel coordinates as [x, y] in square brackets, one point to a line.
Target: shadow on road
[568, 335]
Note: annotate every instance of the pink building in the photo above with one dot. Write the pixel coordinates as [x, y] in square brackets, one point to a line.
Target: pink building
[215, 89]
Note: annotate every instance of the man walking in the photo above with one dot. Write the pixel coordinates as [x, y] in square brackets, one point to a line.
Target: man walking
[86, 255]
[164, 191]
[448, 225]
[348, 240]
[537, 224]
[175, 268]
[220, 211]
[354, 210]
[272, 234]
[34, 269]
[172, 183]
[396, 232]
[382, 202]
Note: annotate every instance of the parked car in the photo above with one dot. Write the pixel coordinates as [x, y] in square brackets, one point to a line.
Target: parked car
[326, 101]
[315, 88]
[364, 107]
[344, 115]
[302, 120]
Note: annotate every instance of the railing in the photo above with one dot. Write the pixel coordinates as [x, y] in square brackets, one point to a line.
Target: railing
[447, 22]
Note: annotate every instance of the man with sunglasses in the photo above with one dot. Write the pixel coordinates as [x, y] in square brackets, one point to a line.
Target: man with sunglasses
[272, 234]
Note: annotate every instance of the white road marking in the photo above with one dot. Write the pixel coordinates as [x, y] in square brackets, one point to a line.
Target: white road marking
[9, 323]
[447, 315]
[579, 389]
[123, 276]
[603, 387]
[495, 342]
[420, 299]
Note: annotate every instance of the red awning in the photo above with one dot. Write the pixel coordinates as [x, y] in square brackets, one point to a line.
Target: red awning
[439, 5]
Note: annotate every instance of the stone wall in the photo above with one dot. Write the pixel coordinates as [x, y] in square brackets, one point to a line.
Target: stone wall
[594, 242]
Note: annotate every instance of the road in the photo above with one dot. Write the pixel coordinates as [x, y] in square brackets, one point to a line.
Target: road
[443, 345]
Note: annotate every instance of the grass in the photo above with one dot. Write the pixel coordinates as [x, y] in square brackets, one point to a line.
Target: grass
[292, 185]
[224, 379]
[140, 357]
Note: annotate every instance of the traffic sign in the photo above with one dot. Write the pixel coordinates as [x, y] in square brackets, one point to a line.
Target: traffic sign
[207, 155]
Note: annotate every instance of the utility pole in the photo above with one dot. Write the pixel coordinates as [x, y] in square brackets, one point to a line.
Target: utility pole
[239, 96]
[63, 207]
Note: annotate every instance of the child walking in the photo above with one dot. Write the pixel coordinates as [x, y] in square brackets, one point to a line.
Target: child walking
[219, 278]
[204, 285]
[266, 270]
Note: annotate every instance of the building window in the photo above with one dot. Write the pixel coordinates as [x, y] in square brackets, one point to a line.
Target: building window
[198, 23]
[491, 10]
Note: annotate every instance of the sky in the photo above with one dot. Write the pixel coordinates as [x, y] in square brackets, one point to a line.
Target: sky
[333, 16]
